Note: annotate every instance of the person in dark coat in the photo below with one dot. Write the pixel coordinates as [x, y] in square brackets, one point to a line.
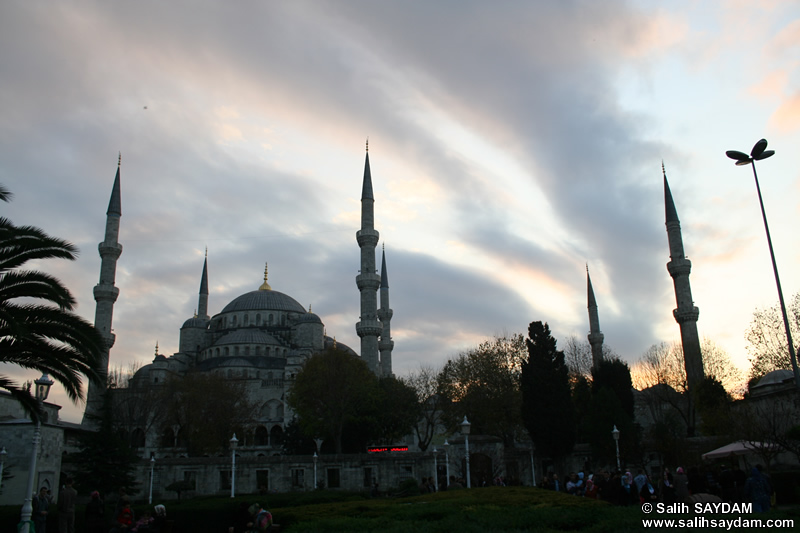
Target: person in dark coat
[95, 514]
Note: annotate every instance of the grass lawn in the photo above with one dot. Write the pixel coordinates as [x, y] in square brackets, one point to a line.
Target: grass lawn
[462, 511]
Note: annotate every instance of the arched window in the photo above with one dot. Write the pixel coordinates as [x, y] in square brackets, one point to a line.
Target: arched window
[137, 438]
[258, 319]
[236, 350]
[247, 350]
[217, 352]
[276, 436]
[271, 319]
[246, 320]
[283, 321]
[234, 321]
[258, 350]
[262, 436]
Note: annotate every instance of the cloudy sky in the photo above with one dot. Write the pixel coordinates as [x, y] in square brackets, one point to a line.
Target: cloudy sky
[511, 144]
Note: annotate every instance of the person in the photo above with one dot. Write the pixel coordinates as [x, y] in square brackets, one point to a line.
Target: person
[758, 491]
[66, 507]
[95, 518]
[160, 518]
[40, 504]
[681, 486]
[124, 519]
[144, 524]
[262, 519]
[648, 492]
[640, 480]
[666, 487]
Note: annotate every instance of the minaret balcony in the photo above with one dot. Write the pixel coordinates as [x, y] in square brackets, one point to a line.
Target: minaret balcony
[679, 267]
[110, 249]
[105, 292]
[367, 237]
[385, 315]
[686, 315]
[368, 281]
[369, 328]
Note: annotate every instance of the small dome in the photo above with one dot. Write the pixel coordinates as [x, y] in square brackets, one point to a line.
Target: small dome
[195, 322]
[776, 377]
[264, 300]
[309, 318]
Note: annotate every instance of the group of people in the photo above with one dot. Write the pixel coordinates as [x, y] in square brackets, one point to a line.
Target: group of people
[251, 519]
[123, 520]
[623, 488]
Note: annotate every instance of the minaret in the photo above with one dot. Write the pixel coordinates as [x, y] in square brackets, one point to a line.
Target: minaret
[202, 302]
[368, 281]
[595, 335]
[686, 313]
[385, 316]
[105, 294]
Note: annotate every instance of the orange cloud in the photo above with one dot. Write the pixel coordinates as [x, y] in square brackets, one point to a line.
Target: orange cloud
[786, 118]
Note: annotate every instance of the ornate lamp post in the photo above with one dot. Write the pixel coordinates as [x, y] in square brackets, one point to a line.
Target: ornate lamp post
[758, 153]
[152, 469]
[615, 434]
[435, 470]
[234, 441]
[447, 462]
[315, 469]
[465, 431]
[43, 385]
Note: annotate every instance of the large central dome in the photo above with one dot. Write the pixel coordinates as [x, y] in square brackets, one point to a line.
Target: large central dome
[264, 300]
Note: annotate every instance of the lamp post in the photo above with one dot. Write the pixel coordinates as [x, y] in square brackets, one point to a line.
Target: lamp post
[615, 434]
[447, 462]
[234, 442]
[533, 470]
[43, 385]
[758, 153]
[465, 431]
[315, 469]
[435, 470]
[3, 454]
[152, 469]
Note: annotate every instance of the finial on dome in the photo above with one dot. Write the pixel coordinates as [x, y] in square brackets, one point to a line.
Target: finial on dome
[195, 313]
[156, 348]
[334, 342]
[265, 286]
[309, 308]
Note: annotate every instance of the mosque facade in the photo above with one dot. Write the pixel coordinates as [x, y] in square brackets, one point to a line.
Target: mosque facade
[260, 339]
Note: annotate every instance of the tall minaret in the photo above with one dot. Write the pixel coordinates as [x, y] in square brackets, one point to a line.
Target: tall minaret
[385, 315]
[202, 302]
[686, 313]
[595, 335]
[105, 294]
[368, 281]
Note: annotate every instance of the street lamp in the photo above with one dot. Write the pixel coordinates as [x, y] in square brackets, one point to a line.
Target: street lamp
[435, 470]
[447, 462]
[758, 153]
[152, 468]
[234, 442]
[315, 469]
[465, 431]
[615, 434]
[43, 385]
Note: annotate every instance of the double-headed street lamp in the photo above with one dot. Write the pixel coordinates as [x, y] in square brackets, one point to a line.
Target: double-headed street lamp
[152, 471]
[234, 441]
[447, 462]
[758, 153]
[465, 431]
[43, 385]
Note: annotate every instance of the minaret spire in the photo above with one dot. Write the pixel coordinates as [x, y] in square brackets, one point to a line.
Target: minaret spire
[595, 335]
[686, 314]
[368, 281]
[105, 294]
[385, 316]
[202, 302]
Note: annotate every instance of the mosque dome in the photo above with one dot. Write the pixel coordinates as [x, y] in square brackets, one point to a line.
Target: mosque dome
[195, 323]
[246, 336]
[264, 300]
[309, 318]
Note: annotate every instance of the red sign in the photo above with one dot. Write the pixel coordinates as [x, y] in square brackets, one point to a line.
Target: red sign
[380, 449]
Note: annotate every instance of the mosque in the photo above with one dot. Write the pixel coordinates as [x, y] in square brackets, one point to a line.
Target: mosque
[261, 338]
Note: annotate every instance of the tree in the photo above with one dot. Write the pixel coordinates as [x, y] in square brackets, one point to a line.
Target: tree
[430, 404]
[332, 389]
[766, 335]
[38, 329]
[180, 486]
[397, 411]
[483, 384]
[547, 410]
[105, 462]
[612, 405]
[208, 408]
[578, 357]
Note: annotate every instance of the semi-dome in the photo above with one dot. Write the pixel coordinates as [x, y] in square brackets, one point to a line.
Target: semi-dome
[195, 323]
[309, 318]
[264, 300]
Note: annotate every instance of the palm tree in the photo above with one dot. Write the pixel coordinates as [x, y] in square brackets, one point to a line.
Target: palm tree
[38, 329]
